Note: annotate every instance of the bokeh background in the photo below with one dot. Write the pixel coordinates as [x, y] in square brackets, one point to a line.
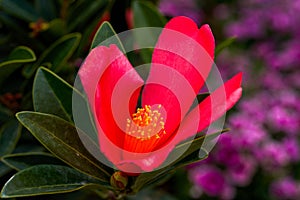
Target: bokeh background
[259, 158]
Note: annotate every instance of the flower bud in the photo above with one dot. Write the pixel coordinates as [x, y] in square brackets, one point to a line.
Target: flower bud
[119, 180]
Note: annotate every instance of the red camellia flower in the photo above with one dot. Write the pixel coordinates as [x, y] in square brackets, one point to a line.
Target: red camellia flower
[137, 136]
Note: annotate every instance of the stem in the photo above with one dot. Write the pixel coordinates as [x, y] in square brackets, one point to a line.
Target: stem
[64, 9]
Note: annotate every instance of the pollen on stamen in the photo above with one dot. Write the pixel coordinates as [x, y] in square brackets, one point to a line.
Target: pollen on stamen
[146, 123]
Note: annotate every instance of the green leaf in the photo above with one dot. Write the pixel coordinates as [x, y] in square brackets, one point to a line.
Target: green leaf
[52, 95]
[20, 161]
[4, 169]
[19, 56]
[224, 44]
[85, 122]
[83, 119]
[61, 138]
[151, 179]
[9, 136]
[191, 155]
[192, 147]
[84, 12]
[20, 9]
[5, 113]
[57, 54]
[28, 147]
[146, 15]
[105, 32]
[146, 179]
[45, 179]
[57, 28]
[88, 33]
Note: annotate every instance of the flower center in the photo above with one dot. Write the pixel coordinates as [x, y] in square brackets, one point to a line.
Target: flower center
[146, 122]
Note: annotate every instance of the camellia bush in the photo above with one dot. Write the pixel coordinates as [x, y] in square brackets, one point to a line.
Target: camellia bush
[79, 144]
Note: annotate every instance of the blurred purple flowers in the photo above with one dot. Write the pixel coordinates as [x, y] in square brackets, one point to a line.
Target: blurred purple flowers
[285, 188]
[212, 182]
[181, 7]
[261, 19]
[264, 140]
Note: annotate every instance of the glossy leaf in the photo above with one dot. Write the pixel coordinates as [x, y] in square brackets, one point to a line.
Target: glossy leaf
[20, 161]
[84, 121]
[20, 9]
[81, 111]
[52, 95]
[9, 136]
[45, 179]
[57, 54]
[106, 36]
[61, 138]
[19, 56]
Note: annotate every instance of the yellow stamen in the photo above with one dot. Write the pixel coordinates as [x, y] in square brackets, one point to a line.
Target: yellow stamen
[145, 123]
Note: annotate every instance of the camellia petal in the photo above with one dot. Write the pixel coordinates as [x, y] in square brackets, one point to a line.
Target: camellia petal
[181, 61]
[102, 75]
[211, 108]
